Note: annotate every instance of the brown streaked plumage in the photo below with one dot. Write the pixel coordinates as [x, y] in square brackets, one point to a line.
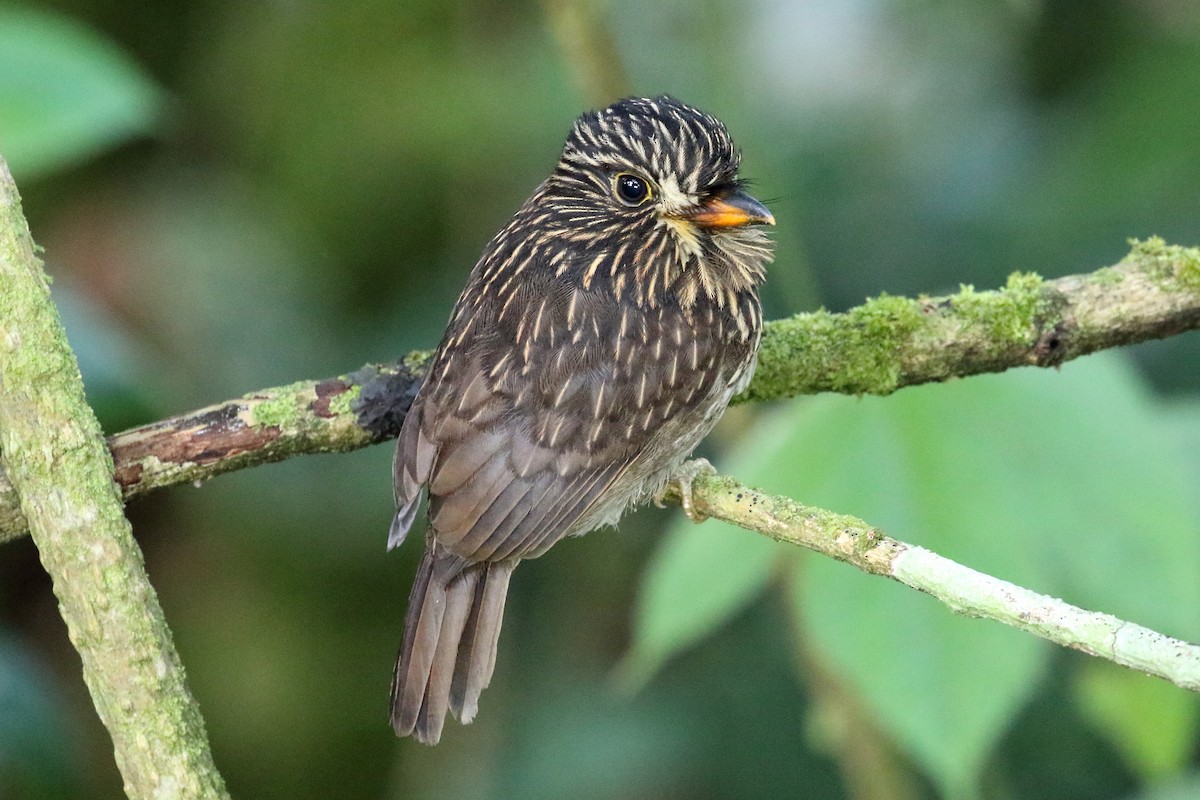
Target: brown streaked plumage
[598, 340]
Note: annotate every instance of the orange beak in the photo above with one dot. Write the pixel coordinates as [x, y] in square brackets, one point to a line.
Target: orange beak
[731, 210]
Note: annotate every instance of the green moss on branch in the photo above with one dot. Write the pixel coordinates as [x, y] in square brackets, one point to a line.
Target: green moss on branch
[890, 342]
[884, 345]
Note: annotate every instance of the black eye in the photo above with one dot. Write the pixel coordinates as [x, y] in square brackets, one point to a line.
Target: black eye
[631, 190]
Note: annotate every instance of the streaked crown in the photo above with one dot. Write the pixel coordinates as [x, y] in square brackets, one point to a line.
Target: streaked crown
[660, 136]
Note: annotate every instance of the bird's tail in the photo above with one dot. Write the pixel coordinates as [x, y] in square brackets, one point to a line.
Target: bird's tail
[449, 647]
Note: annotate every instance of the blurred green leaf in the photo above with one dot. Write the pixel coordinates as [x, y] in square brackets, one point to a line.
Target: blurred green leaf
[700, 577]
[1150, 721]
[1064, 482]
[1029, 476]
[944, 687]
[65, 92]
[1186, 787]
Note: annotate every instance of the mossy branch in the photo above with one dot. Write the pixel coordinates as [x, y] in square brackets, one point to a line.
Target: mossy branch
[881, 346]
[54, 454]
[892, 342]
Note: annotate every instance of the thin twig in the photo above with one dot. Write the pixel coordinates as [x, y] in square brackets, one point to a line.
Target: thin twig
[966, 591]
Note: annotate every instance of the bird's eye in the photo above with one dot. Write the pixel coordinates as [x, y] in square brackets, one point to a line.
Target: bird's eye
[631, 190]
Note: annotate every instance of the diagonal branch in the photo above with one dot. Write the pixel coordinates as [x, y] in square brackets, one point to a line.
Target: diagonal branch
[54, 452]
[883, 345]
[966, 591]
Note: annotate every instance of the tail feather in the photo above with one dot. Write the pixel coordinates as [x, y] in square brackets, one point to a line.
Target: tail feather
[422, 622]
[477, 651]
[449, 645]
[436, 701]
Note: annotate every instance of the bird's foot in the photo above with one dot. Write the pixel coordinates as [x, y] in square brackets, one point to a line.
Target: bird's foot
[681, 480]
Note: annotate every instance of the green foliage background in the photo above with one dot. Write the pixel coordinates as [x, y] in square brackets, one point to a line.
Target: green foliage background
[236, 195]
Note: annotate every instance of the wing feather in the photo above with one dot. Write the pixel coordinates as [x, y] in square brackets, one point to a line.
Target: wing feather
[533, 432]
[459, 462]
[455, 513]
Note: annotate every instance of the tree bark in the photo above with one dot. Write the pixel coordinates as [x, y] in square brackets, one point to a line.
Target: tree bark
[61, 473]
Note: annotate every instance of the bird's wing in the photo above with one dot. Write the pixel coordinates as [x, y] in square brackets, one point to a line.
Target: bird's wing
[527, 425]
[510, 476]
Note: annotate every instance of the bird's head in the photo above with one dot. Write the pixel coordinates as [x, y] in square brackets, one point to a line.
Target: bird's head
[647, 199]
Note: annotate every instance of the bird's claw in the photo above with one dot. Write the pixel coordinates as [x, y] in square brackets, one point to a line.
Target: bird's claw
[681, 480]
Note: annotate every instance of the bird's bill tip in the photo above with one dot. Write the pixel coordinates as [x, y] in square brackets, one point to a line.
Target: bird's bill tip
[731, 211]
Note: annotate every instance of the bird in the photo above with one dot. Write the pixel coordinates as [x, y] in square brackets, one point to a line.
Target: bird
[599, 338]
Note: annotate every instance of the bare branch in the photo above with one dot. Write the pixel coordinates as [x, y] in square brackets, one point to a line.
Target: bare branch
[966, 591]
